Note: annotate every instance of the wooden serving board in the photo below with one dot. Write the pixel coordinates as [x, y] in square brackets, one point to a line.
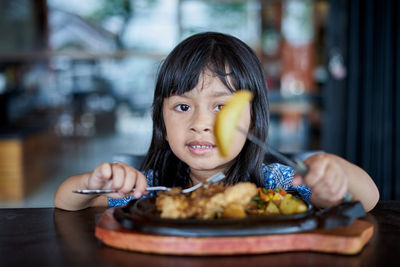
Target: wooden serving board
[342, 240]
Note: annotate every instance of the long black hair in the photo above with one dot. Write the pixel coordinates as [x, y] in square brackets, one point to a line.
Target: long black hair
[238, 67]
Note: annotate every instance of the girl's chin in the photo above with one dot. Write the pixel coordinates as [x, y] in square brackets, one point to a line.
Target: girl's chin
[208, 165]
[203, 167]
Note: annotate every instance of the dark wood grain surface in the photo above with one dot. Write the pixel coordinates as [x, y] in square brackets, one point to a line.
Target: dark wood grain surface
[52, 237]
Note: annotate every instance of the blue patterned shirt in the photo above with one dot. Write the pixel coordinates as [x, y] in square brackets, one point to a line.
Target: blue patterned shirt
[275, 175]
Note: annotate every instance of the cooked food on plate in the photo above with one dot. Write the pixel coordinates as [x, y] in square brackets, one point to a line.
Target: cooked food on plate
[275, 202]
[237, 201]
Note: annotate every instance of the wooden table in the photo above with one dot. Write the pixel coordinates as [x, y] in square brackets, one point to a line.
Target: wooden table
[52, 237]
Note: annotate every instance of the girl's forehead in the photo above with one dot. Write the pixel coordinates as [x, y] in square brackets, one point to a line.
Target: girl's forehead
[209, 84]
[210, 81]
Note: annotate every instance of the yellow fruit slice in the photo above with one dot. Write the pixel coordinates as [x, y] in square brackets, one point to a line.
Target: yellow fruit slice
[228, 118]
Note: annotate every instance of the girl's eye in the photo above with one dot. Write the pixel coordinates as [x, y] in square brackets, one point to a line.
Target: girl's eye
[218, 107]
[182, 107]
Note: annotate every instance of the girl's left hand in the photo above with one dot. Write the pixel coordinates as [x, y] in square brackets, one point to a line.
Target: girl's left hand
[326, 178]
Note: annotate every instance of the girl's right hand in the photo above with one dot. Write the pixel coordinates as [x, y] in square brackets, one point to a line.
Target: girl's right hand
[117, 176]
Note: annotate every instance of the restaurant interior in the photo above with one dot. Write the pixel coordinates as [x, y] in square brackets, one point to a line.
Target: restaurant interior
[77, 81]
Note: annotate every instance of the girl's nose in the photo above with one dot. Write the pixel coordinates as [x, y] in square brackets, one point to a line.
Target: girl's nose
[202, 122]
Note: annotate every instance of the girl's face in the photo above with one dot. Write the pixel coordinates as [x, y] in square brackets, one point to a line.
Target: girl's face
[189, 121]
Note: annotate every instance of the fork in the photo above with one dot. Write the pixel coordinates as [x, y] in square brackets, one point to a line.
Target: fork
[212, 180]
[297, 165]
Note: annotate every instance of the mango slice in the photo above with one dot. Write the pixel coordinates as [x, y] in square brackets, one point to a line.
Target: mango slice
[228, 118]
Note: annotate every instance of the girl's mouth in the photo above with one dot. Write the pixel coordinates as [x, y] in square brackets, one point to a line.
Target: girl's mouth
[200, 148]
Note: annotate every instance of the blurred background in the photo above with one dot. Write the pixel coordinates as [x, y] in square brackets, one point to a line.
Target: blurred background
[77, 80]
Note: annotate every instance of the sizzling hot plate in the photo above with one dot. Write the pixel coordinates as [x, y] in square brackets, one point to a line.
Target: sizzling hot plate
[141, 215]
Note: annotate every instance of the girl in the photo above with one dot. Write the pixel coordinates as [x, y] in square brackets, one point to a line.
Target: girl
[194, 82]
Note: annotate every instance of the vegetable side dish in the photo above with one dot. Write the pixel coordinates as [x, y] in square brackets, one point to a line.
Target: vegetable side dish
[275, 202]
[217, 201]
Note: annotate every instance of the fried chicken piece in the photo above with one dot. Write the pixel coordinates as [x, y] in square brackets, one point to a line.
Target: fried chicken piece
[234, 210]
[207, 202]
[236, 199]
[209, 208]
[240, 193]
[173, 204]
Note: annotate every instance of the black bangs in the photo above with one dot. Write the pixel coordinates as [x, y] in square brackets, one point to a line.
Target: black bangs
[181, 70]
